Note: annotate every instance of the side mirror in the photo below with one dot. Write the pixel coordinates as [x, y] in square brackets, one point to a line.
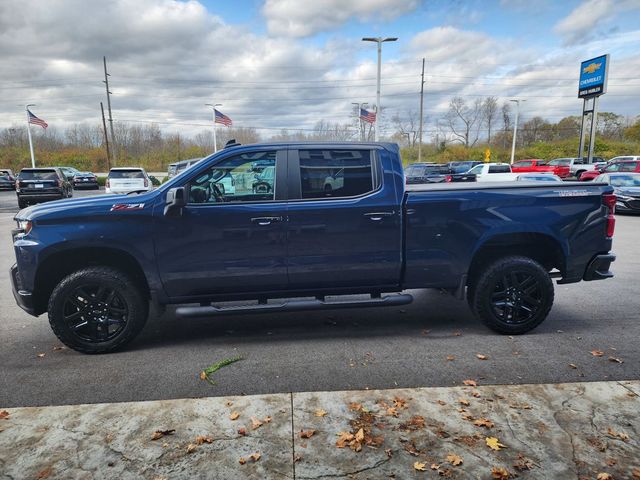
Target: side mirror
[175, 202]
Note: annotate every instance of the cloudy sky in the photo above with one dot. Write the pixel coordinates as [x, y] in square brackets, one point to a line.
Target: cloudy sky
[276, 64]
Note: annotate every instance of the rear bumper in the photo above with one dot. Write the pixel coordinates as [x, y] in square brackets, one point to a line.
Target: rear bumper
[40, 197]
[24, 299]
[84, 184]
[598, 268]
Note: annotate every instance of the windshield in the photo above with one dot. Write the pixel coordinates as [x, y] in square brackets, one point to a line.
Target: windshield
[477, 170]
[561, 161]
[126, 174]
[625, 180]
[38, 175]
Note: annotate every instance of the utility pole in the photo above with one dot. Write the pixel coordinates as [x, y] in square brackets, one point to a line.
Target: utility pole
[106, 137]
[421, 114]
[515, 129]
[379, 41]
[106, 82]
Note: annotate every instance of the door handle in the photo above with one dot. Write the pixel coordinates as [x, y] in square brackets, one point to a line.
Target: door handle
[263, 221]
[378, 216]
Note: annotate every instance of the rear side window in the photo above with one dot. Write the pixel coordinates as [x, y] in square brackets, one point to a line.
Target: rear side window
[414, 171]
[499, 169]
[126, 174]
[523, 164]
[335, 173]
[628, 166]
[38, 175]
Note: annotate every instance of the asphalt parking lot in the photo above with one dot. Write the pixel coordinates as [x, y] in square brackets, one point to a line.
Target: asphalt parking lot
[340, 350]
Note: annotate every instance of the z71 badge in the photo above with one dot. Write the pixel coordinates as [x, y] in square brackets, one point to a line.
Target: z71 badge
[127, 206]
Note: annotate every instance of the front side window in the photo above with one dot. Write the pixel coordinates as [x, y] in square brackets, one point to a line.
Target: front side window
[335, 173]
[236, 179]
[477, 170]
[565, 162]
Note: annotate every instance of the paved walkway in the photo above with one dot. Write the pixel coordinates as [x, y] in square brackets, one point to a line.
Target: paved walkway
[576, 430]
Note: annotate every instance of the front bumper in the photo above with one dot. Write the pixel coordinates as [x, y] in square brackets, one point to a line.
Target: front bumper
[24, 299]
[598, 268]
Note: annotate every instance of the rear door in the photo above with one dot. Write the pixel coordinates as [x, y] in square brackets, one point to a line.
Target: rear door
[347, 236]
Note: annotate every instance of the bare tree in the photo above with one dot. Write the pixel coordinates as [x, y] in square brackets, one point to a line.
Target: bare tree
[506, 121]
[464, 121]
[407, 127]
[489, 112]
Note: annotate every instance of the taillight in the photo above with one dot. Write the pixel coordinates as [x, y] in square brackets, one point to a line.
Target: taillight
[447, 178]
[106, 184]
[146, 183]
[609, 201]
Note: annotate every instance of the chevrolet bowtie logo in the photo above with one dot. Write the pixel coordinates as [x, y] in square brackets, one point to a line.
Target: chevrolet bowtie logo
[591, 68]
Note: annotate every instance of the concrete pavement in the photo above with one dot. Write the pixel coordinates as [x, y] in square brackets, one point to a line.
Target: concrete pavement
[564, 431]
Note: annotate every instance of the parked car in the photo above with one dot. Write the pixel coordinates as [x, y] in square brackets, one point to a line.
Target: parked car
[85, 180]
[627, 189]
[617, 164]
[127, 180]
[462, 167]
[577, 166]
[7, 180]
[538, 177]
[69, 173]
[434, 173]
[540, 166]
[178, 167]
[36, 185]
[493, 243]
[493, 172]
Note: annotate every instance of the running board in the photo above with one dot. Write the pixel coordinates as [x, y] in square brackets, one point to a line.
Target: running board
[292, 306]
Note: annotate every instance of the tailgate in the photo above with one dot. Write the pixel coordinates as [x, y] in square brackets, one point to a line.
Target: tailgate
[126, 183]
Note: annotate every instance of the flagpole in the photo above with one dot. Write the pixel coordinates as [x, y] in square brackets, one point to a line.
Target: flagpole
[213, 107]
[33, 158]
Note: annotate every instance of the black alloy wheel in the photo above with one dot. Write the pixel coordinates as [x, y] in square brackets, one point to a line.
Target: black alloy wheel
[517, 297]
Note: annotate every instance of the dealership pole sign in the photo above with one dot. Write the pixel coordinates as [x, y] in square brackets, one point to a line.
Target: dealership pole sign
[593, 77]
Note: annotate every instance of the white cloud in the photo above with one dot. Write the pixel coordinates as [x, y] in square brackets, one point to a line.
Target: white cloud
[587, 18]
[297, 18]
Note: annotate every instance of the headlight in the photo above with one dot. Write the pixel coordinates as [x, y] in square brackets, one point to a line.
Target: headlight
[25, 226]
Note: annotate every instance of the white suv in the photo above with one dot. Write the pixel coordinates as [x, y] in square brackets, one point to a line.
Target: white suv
[127, 180]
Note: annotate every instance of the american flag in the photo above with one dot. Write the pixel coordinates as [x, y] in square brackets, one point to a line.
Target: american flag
[367, 116]
[223, 119]
[35, 120]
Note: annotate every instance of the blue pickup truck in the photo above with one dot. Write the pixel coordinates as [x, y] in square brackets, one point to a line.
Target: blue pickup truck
[97, 265]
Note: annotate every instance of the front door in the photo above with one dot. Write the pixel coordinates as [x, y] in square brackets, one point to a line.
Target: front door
[230, 237]
[344, 228]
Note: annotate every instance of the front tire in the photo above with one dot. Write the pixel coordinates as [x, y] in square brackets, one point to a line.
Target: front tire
[513, 295]
[97, 310]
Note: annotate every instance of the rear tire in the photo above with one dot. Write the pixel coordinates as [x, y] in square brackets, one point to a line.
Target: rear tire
[97, 310]
[512, 296]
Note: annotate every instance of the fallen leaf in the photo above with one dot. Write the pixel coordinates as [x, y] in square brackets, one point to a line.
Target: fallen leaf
[255, 456]
[616, 360]
[483, 422]
[523, 463]
[203, 376]
[442, 402]
[191, 448]
[392, 412]
[267, 419]
[470, 383]
[450, 358]
[475, 394]
[454, 459]
[464, 402]
[635, 472]
[200, 439]
[400, 402]
[58, 348]
[42, 474]
[242, 460]
[481, 357]
[604, 476]
[242, 431]
[494, 444]
[234, 416]
[421, 467]
[621, 435]
[4, 415]
[320, 413]
[161, 433]
[355, 406]
[41, 355]
[572, 365]
[255, 423]
[360, 435]
[597, 353]
[410, 448]
[389, 452]
[500, 473]
[344, 439]
[435, 466]
[297, 458]
[306, 433]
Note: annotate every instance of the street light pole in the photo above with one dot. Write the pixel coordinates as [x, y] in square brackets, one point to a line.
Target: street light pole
[515, 129]
[213, 107]
[379, 41]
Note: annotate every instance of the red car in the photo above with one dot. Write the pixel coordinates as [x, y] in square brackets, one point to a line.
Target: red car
[615, 165]
[540, 166]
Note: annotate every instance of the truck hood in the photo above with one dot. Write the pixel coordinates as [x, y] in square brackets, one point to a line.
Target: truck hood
[51, 209]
